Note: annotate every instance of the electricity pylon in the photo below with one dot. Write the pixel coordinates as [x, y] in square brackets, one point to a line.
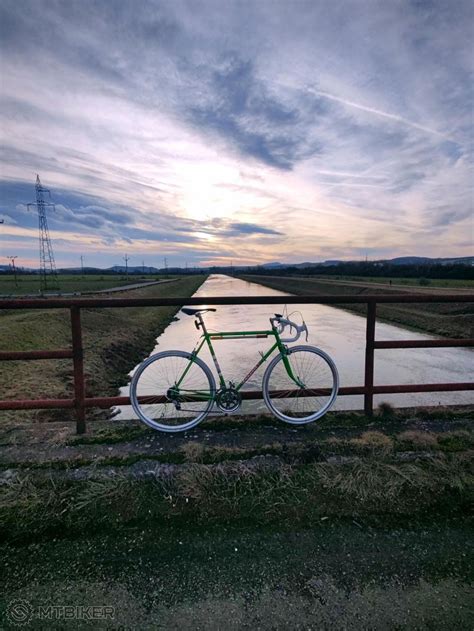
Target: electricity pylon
[48, 272]
[13, 266]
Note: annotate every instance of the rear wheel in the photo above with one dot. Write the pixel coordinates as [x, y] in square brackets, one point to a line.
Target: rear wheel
[172, 391]
[310, 394]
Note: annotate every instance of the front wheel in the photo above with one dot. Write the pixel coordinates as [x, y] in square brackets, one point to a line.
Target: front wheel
[172, 391]
[301, 385]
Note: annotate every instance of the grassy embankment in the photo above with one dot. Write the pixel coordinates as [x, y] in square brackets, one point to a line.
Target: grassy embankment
[69, 283]
[114, 340]
[238, 469]
[336, 525]
[419, 284]
[454, 320]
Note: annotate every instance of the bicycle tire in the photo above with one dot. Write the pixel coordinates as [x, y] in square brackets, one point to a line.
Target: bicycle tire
[317, 404]
[152, 376]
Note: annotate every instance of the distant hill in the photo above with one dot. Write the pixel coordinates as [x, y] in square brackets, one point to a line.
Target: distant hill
[137, 269]
[274, 265]
[400, 260]
[424, 260]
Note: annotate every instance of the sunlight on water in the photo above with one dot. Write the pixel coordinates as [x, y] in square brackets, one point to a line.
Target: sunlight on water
[338, 333]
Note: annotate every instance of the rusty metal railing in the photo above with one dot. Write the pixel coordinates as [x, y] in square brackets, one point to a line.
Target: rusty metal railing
[81, 402]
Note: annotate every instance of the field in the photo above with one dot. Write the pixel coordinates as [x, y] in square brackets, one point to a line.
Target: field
[418, 283]
[69, 283]
[455, 320]
[339, 525]
[114, 340]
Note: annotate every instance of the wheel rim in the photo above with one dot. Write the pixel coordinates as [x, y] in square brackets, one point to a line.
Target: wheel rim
[171, 394]
[316, 373]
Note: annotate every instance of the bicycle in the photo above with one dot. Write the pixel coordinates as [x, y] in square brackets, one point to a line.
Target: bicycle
[174, 391]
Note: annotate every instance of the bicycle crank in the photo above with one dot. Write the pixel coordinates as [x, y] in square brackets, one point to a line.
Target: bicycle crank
[228, 399]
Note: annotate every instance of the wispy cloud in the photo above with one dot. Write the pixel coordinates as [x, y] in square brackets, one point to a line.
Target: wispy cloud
[290, 130]
[373, 110]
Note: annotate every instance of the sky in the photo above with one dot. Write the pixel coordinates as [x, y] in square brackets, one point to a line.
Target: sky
[237, 132]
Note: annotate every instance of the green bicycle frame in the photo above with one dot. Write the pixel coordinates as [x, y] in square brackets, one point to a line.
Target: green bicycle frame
[207, 338]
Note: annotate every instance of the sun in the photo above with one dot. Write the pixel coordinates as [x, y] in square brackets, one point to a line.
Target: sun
[208, 192]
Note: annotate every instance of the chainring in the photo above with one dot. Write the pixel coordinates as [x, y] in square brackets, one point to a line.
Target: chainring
[228, 399]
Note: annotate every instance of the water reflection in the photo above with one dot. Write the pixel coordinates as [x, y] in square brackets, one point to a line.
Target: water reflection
[339, 333]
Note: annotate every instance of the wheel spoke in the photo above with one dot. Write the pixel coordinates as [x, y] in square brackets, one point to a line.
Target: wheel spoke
[310, 367]
[166, 381]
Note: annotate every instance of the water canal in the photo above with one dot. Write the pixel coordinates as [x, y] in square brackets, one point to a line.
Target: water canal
[339, 333]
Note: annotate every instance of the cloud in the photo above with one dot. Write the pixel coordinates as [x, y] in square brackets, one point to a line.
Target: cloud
[239, 106]
[373, 110]
[248, 229]
[285, 127]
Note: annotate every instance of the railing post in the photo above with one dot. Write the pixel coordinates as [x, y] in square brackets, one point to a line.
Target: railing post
[78, 359]
[369, 358]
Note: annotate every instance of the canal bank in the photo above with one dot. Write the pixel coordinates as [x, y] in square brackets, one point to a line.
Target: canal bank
[114, 341]
[452, 320]
[335, 331]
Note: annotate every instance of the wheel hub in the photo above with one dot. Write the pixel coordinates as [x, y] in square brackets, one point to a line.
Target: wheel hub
[172, 394]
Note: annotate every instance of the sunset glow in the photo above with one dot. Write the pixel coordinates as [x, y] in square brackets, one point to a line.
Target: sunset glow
[245, 132]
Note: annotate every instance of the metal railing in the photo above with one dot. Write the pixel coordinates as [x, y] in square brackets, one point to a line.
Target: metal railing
[80, 402]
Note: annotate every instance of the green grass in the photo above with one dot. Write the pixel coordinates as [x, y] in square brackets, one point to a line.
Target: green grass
[408, 282]
[350, 470]
[331, 424]
[259, 491]
[289, 540]
[111, 436]
[30, 283]
[114, 341]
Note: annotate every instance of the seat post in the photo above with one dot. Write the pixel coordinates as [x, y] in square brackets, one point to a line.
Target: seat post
[201, 322]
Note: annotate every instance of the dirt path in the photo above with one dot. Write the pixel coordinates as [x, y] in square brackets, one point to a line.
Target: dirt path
[110, 290]
[335, 575]
[124, 442]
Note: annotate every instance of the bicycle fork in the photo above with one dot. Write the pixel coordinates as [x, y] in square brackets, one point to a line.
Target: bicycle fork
[289, 370]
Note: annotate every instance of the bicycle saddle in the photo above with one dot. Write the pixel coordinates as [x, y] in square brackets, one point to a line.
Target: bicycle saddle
[194, 311]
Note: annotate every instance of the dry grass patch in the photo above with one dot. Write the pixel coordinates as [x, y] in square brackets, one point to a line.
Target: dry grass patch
[193, 451]
[114, 341]
[419, 439]
[263, 490]
[373, 441]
